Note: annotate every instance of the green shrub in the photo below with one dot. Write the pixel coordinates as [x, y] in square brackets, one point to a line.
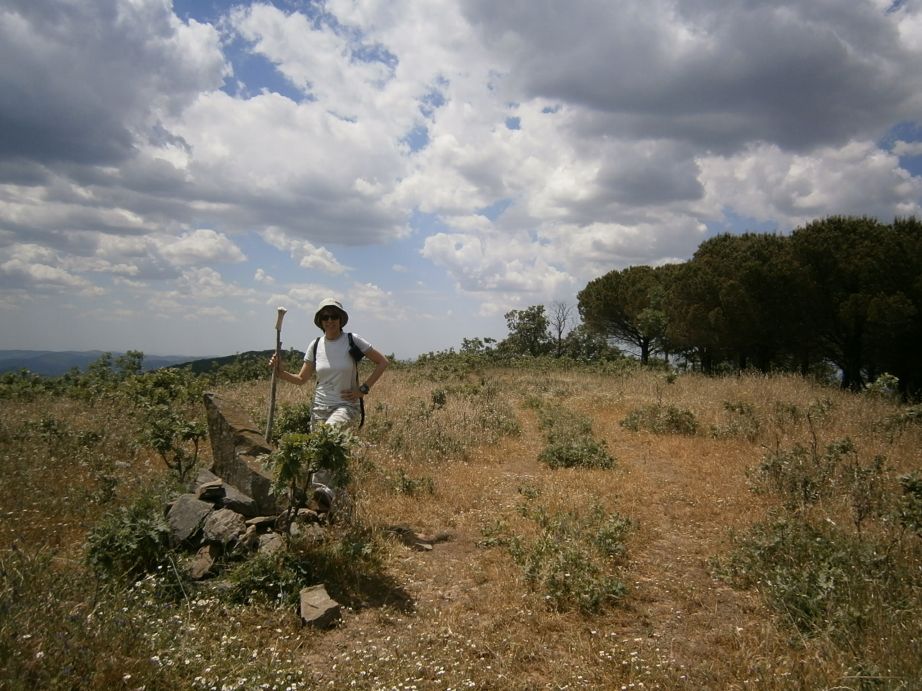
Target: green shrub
[161, 402]
[741, 422]
[575, 558]
[171, 387]
[299, 456]
[348, 563]
[291, 418]
[274, 578]
[129, 542]
[910, 503]
[865, 487]
[175, 438]
[802, 476]
[23, 385]
[898, 423]
[820, 579]
[886, 386]
[661, 419]
[578, 452]
[570, 443]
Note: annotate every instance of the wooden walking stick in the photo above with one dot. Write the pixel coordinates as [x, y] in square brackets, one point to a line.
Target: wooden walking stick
[278, 355]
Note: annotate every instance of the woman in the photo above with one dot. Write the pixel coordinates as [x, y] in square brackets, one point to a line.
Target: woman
[338, 393]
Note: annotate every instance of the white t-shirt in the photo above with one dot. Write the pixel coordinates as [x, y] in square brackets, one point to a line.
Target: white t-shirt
[335, 369]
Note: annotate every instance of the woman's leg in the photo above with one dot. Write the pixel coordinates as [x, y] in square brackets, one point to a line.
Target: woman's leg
[343, 416]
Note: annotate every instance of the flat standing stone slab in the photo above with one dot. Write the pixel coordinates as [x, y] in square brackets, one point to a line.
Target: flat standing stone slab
[237, 448]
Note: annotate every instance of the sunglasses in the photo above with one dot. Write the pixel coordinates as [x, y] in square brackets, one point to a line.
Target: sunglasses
[326, 316]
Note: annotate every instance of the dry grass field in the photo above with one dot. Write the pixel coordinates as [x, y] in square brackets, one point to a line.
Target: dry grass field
[634, 574]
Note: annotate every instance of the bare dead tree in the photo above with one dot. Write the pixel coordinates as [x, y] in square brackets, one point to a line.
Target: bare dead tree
[559, 319]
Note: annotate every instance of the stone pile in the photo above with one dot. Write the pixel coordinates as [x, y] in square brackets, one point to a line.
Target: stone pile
[222, 517]
[230, 511]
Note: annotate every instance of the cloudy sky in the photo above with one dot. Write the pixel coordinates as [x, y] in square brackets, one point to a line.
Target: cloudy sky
[172, 172]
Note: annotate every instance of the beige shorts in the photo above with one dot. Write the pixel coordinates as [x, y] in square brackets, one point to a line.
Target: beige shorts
[345, 415]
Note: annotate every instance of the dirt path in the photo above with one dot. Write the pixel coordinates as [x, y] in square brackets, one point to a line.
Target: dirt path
[683, 495]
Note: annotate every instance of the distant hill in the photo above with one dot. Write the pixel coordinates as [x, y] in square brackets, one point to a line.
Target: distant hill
[51, 363]
[261, 357]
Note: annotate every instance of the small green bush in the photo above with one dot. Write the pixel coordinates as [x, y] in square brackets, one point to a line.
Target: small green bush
[175, 438]
[821, 579]
[299, 456]
[129, 542]
[802, 476]
[577, 452]
[270, 579]
[575, 558]
[570, 442]
[910, 503]
[348, 562]
[886, 386]
[741, 422]
[291, 419]
[899, 422]
[661, 419]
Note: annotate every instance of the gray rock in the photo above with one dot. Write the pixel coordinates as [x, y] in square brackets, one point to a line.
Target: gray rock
[322, 499]
[203, 562]
[307, 532]
[186, 516]
[262, 522]
[414, 540]
[213, 491]
[235, 500]
[231, 498]
[270, 543]
[318, 608]
[308, 516]
[250, 539]
[224, 527]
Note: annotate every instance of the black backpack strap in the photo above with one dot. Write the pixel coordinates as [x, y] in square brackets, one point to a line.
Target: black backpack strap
[352, 351]
[314, 356]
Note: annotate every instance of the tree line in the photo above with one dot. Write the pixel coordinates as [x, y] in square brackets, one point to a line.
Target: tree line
[845, 291]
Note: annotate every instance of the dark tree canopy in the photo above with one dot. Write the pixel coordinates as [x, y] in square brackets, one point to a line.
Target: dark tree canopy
[842, 290]
[627, 306]
[528, 331]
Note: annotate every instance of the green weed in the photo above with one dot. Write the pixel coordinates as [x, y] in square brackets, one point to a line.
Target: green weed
[822, 580]
[661, 419]
[348, 562]
[129, 542]
[570, 442]
[741, 422]
[573, 560]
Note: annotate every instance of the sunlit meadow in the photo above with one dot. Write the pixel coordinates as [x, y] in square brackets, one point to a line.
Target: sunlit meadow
[611, 528]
